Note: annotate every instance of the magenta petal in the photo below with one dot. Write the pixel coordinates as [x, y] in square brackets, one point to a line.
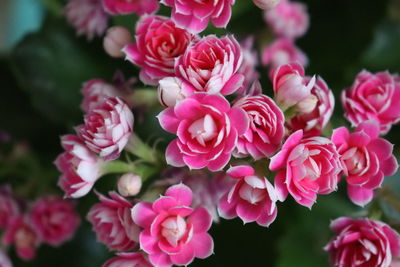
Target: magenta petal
[164, 203]
[143, 214]
[182, 194]
[340, 136]
[168, 120]
[148, 243]
[248, 212]
[182, 211]
[239, 120]
[240, 171]
[185, 256]
[280, 185]
[265, 219]
[389, 166]
[132, 54]
[201, 220]
[203, 245]
[227, 210]
[382, 148]
[219, 163]
[369, 127]
[359, 195]
[173, 154]
[340, 223]
[234, 83]
[160, 259]
[188, 108]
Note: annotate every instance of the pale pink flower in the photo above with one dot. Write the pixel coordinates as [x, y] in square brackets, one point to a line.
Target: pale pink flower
[22, 235]
[266, 4]
[249, 65]
[9, 206]
[5, 260]
[158, 43]
[366, 160]
[313, 113]
[288, 19]
[112, 222]
[129, 184]
[116, 38]
[207, 129]
[363, 242]
[79, 166]
[128, 259]
[174, 233]
[194, 15]
[373, 97]
[212, 65]
[54, 219]
[107, 128]
[87, 16]
[252, 198]
[171, 90]
[307, 167]
[140, 7]
[265, 134]
[290, 85]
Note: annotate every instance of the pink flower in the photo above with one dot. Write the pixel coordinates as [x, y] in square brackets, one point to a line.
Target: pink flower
[171, 90]
[140, 7]
[282, 51]
[112, 222]
[173, 233]
[288, 19]
[373, 97]
[117, 37]
[363, 242]
[54, 219]
[195, 15]
[207, 129]
[79, 166]
[313, 113]
[21, 233]
[252, 198]
[158, 43]
[307, 167]
[5, 260]
[290, 86]
[249, 65]
[266, 131]
[212, 65]
[107, 128]
[87, 16]
[366, 160]
[129, 259]
[9, 206]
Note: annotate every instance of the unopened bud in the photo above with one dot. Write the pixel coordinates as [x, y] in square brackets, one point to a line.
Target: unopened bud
[116, 38]
[170, 91]
[266, 4]
[129, 184]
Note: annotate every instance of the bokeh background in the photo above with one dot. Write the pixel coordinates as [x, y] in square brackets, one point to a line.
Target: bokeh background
[43, 65]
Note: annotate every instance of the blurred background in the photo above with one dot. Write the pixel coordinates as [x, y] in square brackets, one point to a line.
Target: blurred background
[43, 65]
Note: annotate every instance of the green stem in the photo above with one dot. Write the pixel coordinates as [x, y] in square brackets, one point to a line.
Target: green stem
[143, 170]
[143, 151]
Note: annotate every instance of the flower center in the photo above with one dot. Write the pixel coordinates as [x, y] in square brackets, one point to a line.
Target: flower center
[174, 228]
[251, 194]
[203, 129]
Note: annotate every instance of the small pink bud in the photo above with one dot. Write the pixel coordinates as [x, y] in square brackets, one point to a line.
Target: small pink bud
[129, 184]
[170, 91]
[116, 38]
[266, 4]
[307, 105]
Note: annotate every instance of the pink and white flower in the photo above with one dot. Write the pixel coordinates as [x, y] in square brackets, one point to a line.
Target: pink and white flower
[158, 43]
[363, 242]
[128, 259]
[252, 198]
[212, 65]
[80, 167]
[207, 129]
[9, 206]
[366, 160]
[288, 19]
[266, 131]
[140, 7]
[173, 233]
[373, 97]
[112, 222]
[107, 128]
[290, 85]
[313, 113]
[87, 17]
[307, 167]
[195, 15]
[54, 219]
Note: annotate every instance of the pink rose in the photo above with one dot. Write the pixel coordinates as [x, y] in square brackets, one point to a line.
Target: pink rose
[313, 113]
[5, 260]
[54, 219]
[249, 65]
[288, 19]
[112, 222]
[128, 259]
[212, 65]
[107, 128]
[207, 129]
[266, 131]
[366, 160]
[195, 15]
[21, 233]
[173, 233]
[252, 198]
[9, 206]
[307, 167]
[290, 85]
[79, 166]
[87, 16]
[373, 97]
[140, 7]
[362, 242]
[158, 43]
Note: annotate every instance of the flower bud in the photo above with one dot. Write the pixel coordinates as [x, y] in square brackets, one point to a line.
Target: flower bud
[116, 38]
[307, 105]
[129, 184]
[170, 91]
[266, 4]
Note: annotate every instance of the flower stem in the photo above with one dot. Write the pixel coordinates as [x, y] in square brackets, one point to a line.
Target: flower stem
[143, 151]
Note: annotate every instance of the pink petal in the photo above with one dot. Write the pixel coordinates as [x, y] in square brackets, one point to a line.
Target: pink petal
[168, 120]
[371, 128]
[164, 203]
[160, 259]
[280, 185]
[187, 109]
[182, 194]
[201, 220]
[233, 84]
[239, 120]
[148, 243]
[173, 154]
[143, 214]
[382, 148]
[219, 163]
[185, 257]
[203, 245]
[240, 171]
[389, 166]
[340, 223]
[359, 195]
